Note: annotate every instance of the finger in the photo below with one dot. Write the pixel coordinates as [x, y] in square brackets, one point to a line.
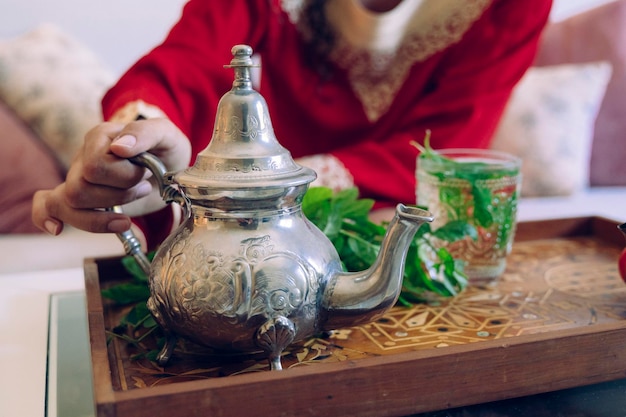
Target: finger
[41, 218]
[90, 191]
[158, 136]
[50, 212]
[99, 166]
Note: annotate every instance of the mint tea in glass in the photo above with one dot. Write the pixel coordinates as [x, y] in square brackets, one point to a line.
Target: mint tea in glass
[474, 191]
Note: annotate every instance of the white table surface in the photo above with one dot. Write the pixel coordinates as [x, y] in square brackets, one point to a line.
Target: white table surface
[24, 313]
[25, 298]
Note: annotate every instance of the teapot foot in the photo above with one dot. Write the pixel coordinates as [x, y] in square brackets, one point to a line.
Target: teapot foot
[273, 337]
[166, 352]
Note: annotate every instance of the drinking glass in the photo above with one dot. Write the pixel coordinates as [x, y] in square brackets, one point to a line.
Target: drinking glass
[477, 190]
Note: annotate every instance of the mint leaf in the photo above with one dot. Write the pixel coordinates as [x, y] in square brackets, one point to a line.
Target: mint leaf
[127, 292]
[133, 268]
[344, 218]
[455, 230]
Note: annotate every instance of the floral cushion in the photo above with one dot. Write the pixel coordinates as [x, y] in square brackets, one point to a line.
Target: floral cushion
[598, 34]
[50, 91]
[549, 123]
[54, 84]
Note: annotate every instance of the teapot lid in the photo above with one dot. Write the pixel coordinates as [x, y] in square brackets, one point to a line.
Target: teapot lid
[244, 153]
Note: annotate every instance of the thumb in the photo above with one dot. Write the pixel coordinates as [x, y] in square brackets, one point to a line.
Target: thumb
[157, 136]
[124, 144]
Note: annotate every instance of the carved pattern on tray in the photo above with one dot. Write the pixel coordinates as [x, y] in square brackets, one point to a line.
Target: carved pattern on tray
[549, 285]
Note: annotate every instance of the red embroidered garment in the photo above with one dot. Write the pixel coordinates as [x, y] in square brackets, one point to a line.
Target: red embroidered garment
[365, 117]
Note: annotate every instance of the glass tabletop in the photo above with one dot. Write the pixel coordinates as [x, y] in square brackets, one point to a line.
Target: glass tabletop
[69, 381]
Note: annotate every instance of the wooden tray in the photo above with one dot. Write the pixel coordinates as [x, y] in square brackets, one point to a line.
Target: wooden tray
[555, 320]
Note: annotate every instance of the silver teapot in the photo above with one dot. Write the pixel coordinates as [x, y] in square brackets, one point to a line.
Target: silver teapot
[245, 270]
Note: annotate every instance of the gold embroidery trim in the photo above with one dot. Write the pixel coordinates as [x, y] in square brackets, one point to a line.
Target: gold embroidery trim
[377, 76]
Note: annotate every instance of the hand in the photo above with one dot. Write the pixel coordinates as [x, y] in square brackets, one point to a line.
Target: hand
[101, 176]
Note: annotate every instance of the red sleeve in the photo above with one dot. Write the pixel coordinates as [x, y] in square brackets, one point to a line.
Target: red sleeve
[468, 90]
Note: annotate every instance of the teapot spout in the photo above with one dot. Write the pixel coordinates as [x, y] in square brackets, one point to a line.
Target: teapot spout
[353, 298]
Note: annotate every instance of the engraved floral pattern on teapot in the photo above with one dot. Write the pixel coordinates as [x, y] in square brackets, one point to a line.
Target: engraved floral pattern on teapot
[255, 283]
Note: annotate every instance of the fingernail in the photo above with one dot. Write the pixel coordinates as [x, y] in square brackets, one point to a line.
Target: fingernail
[52, 227]
[127, 141]
[118, 226]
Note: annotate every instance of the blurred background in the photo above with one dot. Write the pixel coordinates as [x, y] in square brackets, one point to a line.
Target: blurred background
[120, 31]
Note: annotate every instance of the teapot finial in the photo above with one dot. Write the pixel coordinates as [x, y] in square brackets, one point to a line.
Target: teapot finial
[242, 56]
[241, 63]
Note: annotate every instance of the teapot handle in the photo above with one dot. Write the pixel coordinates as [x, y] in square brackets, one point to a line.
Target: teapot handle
[169, 194]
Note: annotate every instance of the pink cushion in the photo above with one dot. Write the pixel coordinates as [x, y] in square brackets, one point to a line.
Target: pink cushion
[596, 35]
[26, 166]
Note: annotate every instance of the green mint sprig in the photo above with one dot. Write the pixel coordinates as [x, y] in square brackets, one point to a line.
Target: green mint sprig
[344, 218]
